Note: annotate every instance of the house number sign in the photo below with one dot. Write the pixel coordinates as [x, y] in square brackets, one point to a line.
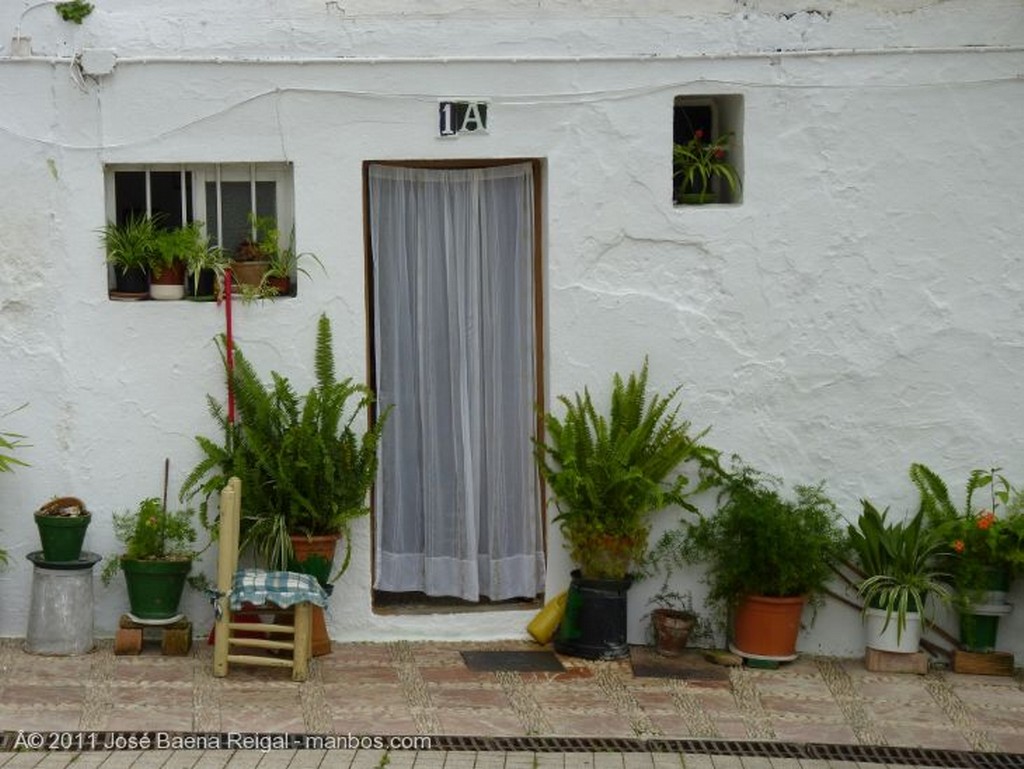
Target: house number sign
[462, 117]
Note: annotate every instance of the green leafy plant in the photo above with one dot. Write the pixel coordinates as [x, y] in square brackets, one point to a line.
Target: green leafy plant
[74, 10]
[610, 473]
[10, 442]
[186, 244]
[984, 545]
[150, 532]
[286, 262]
[132, 245]
[282, 262]
[697, 163]
[900, 562]
[305, 468]
[759, 542]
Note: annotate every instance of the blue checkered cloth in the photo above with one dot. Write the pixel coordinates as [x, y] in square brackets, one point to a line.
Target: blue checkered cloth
[282, 588]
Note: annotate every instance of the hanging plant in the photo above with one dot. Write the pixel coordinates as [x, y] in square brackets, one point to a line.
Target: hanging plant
[74, 10]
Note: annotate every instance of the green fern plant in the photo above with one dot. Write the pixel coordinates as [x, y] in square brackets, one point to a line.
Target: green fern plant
[304, 466]
[609, 473]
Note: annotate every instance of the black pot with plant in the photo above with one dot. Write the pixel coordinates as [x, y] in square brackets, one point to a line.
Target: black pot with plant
[608, 475]
[130, 248]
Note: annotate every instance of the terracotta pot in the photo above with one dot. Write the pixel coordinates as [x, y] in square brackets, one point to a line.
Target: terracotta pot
[767, 627]
[248, 273]
[283, 286]
[671, 630]
[315, 555]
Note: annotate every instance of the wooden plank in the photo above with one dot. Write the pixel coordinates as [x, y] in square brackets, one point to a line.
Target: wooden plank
[895, 662]
[984, 664]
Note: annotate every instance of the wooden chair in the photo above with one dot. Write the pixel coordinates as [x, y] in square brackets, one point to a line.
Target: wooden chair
[288, 596]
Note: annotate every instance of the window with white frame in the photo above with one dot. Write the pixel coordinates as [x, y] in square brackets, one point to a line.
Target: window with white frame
[707, 135]
[224, 198]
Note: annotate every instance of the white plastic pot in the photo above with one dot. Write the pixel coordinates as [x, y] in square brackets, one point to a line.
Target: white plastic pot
[886, 640]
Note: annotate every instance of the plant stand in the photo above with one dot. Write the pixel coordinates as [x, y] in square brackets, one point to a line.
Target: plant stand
[60, 620]
[175, 637]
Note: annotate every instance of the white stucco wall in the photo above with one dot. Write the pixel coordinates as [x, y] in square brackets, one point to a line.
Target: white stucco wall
[860, 310]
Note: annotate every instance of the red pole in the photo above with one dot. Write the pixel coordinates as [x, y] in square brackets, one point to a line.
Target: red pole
[229, 346]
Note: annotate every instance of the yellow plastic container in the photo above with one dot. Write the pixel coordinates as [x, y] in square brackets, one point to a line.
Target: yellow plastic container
[543, 626]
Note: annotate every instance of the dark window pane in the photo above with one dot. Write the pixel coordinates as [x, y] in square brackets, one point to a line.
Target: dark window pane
[235, 200]
[689, 118]
[165, 189]
[129, 195]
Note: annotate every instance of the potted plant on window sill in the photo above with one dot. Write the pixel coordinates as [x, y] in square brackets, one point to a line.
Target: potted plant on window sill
[608, 475]
[766, 555]
[159, 547]
[129, 248]
[168, 262]
[205, 267]
[253, 255]
[304, 461]
[697, 167]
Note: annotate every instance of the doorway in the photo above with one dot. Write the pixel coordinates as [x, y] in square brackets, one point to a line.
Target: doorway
[456, 352]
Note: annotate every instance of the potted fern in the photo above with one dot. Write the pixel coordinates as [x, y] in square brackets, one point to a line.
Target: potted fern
[304, 463]
[609, 474]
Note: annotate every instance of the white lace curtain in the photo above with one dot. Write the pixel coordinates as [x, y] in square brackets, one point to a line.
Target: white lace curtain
[457, 499]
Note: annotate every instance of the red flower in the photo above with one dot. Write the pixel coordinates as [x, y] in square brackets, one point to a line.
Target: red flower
[698, 134]
[719, 153]
[959, 545]
[986, 519]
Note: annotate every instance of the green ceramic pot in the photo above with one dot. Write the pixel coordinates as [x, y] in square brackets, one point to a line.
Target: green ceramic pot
[62, 536]
[155, 587]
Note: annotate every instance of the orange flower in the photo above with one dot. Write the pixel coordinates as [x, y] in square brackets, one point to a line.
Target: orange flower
[959, 545]
[986, 519]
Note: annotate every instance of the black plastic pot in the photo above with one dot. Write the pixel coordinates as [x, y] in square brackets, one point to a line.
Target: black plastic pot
[594, 624]
[131, 281]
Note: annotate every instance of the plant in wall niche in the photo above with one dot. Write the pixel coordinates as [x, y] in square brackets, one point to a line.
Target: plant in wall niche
[697, 164]
[74, 10]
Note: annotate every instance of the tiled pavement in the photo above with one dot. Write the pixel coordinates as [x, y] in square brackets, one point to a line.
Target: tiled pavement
[406, 689]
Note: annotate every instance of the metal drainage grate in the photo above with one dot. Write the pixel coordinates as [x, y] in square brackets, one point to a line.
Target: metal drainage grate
[867, 754]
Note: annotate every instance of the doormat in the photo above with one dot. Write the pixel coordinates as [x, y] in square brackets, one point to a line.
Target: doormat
[498, 661]
[689, 666]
